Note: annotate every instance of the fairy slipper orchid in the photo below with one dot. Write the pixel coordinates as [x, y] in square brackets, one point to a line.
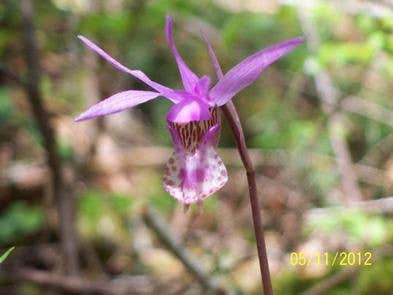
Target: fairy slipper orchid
[194, 171]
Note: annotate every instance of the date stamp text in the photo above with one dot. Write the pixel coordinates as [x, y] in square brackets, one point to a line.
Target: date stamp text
[343, 258]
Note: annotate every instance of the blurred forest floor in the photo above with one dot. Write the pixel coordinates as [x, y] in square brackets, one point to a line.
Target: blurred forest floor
[84, 205]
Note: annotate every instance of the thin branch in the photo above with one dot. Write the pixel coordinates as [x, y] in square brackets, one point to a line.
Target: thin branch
[232, 117]
[388, 3]
[333, 281]
[137, 157]
[329, 96]
[18, 175]
[156, 224]
[63, 200]
[379, 206]
[373, 8]
[368, 109]
[77, 285]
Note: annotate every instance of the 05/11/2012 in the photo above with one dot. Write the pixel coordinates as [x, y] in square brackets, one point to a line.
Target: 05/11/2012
[331, 259]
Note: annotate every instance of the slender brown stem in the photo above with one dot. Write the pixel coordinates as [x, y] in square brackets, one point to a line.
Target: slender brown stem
[234, 122]
[64, 201]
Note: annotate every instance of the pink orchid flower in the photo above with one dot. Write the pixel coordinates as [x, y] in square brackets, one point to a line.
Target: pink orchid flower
[194, 171]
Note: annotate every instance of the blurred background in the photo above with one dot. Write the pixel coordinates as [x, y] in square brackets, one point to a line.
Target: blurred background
[83, 203]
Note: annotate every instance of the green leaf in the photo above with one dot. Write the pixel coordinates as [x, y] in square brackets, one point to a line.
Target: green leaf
[5, 255]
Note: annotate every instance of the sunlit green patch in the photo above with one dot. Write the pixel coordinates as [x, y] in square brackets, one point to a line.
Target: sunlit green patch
[360, 227]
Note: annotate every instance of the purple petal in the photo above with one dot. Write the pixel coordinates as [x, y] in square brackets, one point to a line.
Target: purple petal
[191, 177]
[201, 88]
[188, 77]
[247, 71]
[213, 57]
[117, 103]
[165, 91]
[189, 110]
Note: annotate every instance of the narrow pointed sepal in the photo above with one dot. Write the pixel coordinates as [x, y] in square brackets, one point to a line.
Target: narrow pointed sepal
[248, 70]
[117, 103]
[189, 78]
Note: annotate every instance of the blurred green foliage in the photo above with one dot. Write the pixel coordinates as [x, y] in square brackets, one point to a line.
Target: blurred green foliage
[376, 279]
[98, 209]
[19, 221]
[359, 227]
[6, 109]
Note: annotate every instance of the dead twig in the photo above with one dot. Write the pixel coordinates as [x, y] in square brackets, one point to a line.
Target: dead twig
[159, 227]
[63, 199]
[368, 109]
[379, 206]
[78, 285]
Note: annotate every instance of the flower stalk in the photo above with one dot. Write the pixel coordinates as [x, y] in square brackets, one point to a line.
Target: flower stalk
[232, 117]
